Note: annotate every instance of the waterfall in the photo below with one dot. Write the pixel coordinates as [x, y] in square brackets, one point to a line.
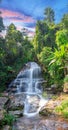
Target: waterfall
[29, 82]
[30, 85]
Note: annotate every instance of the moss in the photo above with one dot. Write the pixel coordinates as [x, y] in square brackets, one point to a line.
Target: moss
[66, 79]
[45, 112]
[54, 97]
[44, 94]
[1, 95]
[63, 109]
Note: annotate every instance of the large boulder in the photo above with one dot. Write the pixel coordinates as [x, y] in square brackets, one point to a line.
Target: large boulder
[16, 102]
[16, 113]
[49, 108]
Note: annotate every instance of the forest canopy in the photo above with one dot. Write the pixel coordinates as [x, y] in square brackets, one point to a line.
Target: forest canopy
[49, 48]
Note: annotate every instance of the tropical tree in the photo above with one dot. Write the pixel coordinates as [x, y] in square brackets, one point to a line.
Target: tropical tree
[45, 56]
[44, 59]
[49, 15]
[14, 39]
[62, 37]
[1, 24]
[64, 21]
[27, 46]
[59, 61]
[41, 30]
[49, 38]
[45, 36]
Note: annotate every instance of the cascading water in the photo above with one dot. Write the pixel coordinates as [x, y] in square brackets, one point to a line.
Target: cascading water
[29, 82]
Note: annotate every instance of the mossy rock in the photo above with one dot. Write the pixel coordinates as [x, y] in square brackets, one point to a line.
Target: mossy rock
[16, 113]
[45, 112]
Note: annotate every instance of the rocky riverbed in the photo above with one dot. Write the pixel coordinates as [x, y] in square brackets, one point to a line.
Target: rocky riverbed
[48, 119]
[41, 123]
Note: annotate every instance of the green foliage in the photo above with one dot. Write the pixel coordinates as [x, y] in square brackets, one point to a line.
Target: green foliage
[62, 37]
[44, 58]
[49, 15]
[5, 78]
[27, 47]
[44, 94]
[14, 52]
[2, 49]
[13, 43]
[39, 41]
[1, 95]
[50, 37]
[45, 55]
[1, 24]
[49, 48]
[54, 61]
[56, 65]
[54, 97]
[63, 109]
[65, 21]
[66, 79]
[8, 120]
[45, 36]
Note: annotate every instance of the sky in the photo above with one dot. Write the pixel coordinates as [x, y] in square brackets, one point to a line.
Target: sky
[25, 13]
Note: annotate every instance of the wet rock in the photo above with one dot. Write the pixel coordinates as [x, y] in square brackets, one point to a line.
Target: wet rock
[54, 88]
[48, 89]
[49, 108]
[34, 99]
[45, 112]
[13, 90]
[17, 113]
[42, 127]
[32, 102]
[16, 102]
[40, 124]
[3, 101]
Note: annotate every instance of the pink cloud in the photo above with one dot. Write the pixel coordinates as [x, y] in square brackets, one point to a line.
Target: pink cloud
[15, 16]
[19, 27]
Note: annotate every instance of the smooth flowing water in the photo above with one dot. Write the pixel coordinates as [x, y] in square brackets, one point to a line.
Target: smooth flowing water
[29, 82]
